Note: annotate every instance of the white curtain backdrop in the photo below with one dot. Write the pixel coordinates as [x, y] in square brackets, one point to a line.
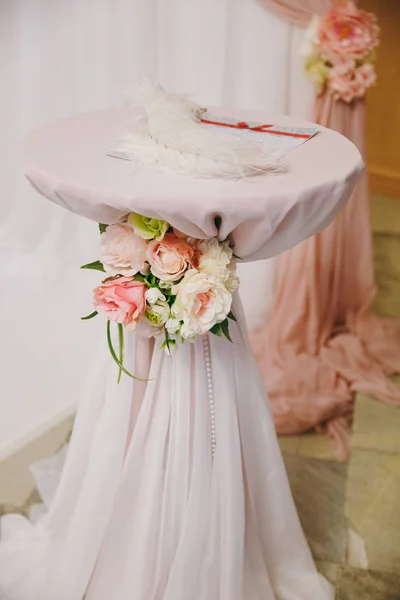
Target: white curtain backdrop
[61, 57]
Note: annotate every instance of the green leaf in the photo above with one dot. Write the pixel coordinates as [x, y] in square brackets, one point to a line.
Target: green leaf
[139, 277]
[115, 357]
[93, 314]
[237, 257]
[216, 330]
[167, 343]
[225, 329]
[95, 266]
[102, 227]
[232, 316]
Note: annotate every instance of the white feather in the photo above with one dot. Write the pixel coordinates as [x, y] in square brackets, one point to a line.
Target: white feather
[170, 137]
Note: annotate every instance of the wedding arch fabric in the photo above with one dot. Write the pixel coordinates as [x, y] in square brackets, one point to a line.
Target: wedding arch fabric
[320, 342]
[143, 507]
[61, 58]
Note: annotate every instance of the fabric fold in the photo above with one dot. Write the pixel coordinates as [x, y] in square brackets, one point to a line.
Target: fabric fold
[321, 343]
[147, 508]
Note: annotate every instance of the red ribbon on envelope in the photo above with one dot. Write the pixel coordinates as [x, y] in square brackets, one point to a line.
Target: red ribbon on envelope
[260, 128]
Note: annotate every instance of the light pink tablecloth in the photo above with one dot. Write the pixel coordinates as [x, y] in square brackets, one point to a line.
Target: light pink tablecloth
[66, 161]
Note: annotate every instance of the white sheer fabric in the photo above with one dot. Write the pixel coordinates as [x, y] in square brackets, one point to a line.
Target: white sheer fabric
[142, 510]
[58, 58]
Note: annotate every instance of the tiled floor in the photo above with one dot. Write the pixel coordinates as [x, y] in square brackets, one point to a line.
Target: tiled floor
[349, 512]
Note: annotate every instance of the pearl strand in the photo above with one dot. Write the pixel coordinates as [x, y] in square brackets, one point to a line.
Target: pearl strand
[210, 389]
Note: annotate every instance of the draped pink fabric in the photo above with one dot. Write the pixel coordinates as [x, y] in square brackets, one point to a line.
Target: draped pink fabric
[298, 12]
[321, 342]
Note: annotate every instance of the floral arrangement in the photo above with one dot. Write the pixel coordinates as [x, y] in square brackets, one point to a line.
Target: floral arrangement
[161, 282]
[339, 51]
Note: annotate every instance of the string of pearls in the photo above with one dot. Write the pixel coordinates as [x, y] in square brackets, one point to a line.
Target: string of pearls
[210, 390]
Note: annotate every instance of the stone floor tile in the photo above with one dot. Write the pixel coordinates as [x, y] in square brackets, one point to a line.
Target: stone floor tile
[329, 570]
[289, 443]
[376, 426]
[356, 584]
[385, 215]
[387, 275]
[372, 509]
[316, 445]
[318, 488]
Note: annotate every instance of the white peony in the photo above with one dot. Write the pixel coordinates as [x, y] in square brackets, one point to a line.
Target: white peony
[122, 252]
[201, 302]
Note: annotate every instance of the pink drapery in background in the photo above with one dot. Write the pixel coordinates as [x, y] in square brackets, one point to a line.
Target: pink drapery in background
[298, 12]
[321, 342]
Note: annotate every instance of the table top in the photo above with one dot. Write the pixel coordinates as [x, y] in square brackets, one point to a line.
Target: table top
[66, 162]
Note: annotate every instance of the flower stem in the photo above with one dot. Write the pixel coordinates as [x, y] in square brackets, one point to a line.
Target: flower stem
[115, 357]
[121, 348]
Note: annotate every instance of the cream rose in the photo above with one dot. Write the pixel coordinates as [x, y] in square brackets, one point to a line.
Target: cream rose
[170, 257]
[121, 251]
[216, 260]
[201, 302]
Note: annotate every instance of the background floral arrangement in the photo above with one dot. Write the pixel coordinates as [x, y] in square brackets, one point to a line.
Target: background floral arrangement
[339, 51]
[162, 282]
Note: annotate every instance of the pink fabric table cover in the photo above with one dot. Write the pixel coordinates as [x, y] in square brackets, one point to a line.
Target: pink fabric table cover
[145, 509]
[66, 161]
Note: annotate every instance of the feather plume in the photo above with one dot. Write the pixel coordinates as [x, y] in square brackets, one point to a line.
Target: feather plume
[169, 136]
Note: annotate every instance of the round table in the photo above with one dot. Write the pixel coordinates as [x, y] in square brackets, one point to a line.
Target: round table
[175, 489]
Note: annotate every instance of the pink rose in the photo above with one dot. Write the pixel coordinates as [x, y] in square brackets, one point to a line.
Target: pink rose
[122, 252]
[347, 83]
[121, 300]
[366, 75]
[170, 257]
[347, 32]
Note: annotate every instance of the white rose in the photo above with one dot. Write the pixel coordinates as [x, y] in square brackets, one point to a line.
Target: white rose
[215, 258]
[201, 302]
[122, 252]
[172, 326]
[153, 295]
[157, 314]
[187, 333]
